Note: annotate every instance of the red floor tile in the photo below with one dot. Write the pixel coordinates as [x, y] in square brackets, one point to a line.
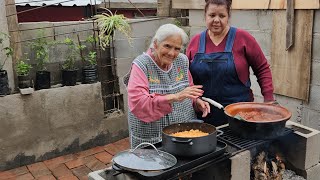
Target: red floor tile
[79, 162]
[81, 172]
[104, 157]
[68, 178]
[112, 149]
[123, 144]
[53, 163]
[90, 152]
[61, 171]
[38, 169]
[13, 172]
[46, 177]
[23, 177]
[95, 165]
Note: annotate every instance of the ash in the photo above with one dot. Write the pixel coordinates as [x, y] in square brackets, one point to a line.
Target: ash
[290, 175]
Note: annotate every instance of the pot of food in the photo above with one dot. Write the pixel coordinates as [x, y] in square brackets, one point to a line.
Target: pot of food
[252, 120]
[189, 139]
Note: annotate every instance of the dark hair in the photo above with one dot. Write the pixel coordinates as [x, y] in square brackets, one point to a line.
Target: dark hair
[227, 3]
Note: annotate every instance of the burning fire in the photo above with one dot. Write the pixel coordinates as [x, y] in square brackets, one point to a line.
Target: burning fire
[268, 168]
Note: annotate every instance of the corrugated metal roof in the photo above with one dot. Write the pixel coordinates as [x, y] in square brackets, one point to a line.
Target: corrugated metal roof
[73, 2]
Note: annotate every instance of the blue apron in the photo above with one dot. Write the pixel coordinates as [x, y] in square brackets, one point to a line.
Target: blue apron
[218, 75]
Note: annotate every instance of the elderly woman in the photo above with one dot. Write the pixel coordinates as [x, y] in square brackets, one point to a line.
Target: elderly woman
[160, 88]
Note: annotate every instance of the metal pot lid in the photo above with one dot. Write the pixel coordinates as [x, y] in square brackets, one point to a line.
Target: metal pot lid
[144, 159]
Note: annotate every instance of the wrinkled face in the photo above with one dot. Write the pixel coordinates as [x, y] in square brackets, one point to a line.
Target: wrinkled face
[216, 18]
[167, 50]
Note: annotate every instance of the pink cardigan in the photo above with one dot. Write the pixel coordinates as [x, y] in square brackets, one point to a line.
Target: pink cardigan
[145, 106]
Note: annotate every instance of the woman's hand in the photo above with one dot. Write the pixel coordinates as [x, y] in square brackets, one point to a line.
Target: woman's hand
[203, 106]
[191, 92]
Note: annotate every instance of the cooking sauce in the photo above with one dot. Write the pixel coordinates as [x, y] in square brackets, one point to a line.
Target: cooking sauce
[259, 116]
[190, 134]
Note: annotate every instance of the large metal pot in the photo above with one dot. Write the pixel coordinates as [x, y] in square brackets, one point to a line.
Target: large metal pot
[260, 129]
[196, 146]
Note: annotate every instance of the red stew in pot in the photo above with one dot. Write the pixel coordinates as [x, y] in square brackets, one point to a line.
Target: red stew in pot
[259, 116]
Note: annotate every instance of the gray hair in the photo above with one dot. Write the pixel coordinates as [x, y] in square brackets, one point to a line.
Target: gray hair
[167, 30]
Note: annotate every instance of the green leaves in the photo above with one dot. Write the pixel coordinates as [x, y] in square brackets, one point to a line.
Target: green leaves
[40, 47]
[108, 23]
[22, 67]
[69, 64]
[92, 58]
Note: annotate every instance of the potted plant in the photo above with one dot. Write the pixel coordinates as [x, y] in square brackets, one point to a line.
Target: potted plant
[89, 71]
[69, 70]
[8, 51]
[40, 47]
[23, 69]
[108, 23]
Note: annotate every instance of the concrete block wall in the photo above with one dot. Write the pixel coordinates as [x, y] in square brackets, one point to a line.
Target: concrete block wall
[54, 122]
[259, 24]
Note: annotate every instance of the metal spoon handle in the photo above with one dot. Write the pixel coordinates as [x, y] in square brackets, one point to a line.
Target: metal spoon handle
[214, 103]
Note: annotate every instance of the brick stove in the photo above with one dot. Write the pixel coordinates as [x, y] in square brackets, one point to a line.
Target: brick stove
[301, 150]
[300, 147]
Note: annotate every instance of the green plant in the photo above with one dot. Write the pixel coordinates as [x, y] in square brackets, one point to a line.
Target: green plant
[6, 49]
[108, 23]
[40, 46]
[23, 68]
[73, 49]
[91, 57]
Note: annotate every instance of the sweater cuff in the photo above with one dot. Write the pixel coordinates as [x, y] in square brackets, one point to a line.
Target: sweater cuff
[268, 98]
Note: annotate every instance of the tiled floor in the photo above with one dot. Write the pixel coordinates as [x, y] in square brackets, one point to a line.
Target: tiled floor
[69, 167]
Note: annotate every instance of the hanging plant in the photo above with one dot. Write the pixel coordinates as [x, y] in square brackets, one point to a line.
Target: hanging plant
[108, 23]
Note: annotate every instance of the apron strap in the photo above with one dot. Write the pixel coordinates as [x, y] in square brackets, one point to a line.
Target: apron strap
[202, 45]
[230, 40]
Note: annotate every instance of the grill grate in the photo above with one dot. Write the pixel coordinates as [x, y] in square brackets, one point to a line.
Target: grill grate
[230, 138]
[240, 143]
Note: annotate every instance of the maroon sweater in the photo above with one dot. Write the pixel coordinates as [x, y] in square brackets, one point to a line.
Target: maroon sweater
[247, 53]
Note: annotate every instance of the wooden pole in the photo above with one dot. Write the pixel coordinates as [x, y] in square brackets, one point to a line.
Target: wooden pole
[13, 26]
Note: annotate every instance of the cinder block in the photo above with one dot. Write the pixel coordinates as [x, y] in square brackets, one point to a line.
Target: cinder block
[313, 173]
[240, 166]
[315, 45]
[301, 148]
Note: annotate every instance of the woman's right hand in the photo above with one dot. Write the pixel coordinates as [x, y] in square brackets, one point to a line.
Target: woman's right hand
[192, 92]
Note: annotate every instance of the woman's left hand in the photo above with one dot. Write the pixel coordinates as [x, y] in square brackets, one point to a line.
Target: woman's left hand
[203, 106]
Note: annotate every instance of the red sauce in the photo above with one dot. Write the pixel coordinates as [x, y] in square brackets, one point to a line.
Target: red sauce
[259, 116]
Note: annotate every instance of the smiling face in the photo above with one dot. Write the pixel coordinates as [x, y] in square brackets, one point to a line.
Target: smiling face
[167, 51]
[217, 18]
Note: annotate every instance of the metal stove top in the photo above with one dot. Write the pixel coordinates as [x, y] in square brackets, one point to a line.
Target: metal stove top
[228, 145]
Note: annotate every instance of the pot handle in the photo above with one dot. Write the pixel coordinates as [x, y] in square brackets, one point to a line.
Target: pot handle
[145, 143]
[219, 132]
[182, 141]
